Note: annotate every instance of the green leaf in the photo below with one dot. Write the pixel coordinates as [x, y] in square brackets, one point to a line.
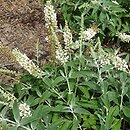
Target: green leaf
[112, 27]
[55, 117]
[114, 111]
[75, 124]
[89, 121]
[78, 74]
[28, 120]
[112, 95]
[77, 4]
[77, 18]
[14, 128]
[16, 112]
[55, 125]
[47, 81]
[85, 91]
[58, 80]
[89, 104]
[38, 92]
[60, 108]
[66, 125]
[62, 73]
[90, 85]
[102, 16]
[128, 93]
[116, 124]
[30, 100]
[126, 111]
[45, 96]
[35, 102]
[125, 90]
[127, 58]
[48, 118]
[40, 126]
[123, 77]
[95, 10]
[4, 125]
[81, 110]
[34, 124]
[106, 68]
[3, 112]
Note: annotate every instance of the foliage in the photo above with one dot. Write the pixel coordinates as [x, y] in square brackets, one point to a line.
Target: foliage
[111, 16]
[89, 90]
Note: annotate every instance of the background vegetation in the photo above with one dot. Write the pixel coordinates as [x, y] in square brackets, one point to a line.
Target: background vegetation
[112, 17]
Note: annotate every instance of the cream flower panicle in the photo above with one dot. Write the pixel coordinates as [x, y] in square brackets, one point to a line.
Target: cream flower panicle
[68, 39]
[24, 110]
[67, 36]
[103, 60]
[10, 98]
[124, 37]
[27, 64]
[62, 55]
[109, 59]
[119, 63]
[89, 33]
[85, 35]
[50, 15]
[58, 53]
[75, 45]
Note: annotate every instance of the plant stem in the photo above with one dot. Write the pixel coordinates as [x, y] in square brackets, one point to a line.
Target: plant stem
[81, 39]
[14, 123]
[60, 96]
[67, 80]
[123, 85]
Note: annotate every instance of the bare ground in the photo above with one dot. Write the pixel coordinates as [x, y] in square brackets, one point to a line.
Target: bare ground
[22, 26]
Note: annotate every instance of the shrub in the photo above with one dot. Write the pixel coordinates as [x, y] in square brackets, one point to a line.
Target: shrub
[85, 86]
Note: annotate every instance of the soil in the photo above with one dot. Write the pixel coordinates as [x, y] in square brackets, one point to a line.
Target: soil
[22, 26]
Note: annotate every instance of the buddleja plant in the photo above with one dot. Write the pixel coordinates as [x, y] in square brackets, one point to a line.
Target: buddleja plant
[111, 16]
[87, 87]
